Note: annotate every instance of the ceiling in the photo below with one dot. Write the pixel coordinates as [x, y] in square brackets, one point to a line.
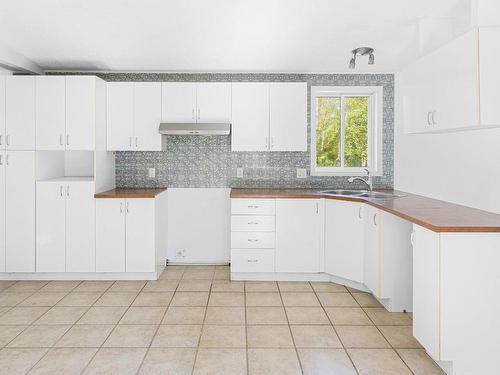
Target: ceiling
[213, 35]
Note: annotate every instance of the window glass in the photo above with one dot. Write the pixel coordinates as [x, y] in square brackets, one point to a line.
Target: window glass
[328, 131]
[356, 131]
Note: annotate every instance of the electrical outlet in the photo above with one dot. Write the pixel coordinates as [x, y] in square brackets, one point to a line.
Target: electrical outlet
[239, 172]
[180, 253]
[152, 172]
[301, 173]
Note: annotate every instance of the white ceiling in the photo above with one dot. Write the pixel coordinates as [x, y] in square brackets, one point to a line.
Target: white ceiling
[213, 35]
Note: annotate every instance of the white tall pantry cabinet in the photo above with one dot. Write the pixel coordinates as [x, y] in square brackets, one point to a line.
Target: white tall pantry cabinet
[20, 113]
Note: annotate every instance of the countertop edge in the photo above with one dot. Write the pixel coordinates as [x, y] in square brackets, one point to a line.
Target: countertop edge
[130, 193]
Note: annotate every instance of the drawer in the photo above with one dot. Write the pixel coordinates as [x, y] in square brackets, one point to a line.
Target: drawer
[243, 260]
[253, 206]
[252, 240]
[250, 223]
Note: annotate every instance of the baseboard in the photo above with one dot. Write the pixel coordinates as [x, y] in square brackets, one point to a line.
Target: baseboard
[80, 276]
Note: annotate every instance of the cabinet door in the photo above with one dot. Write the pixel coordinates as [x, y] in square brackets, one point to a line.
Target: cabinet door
[288, 116]
[250, 117]
[2, 211]
[80, 112]
[20, 211]
[344, 239]
[489, 60]
[213, 102]
[50, 227]
[50, 105]
[2, 113]
[178, 102]
[80, 227]
[110, 235]
[298, 235]
[147, 116]
[20, 113]
[120, 116]
[140, 235]
[371, 264]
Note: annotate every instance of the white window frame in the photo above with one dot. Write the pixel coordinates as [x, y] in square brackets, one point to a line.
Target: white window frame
[375, 124]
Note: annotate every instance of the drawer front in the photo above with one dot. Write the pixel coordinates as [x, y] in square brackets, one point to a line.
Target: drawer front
[243, 260]
[253, 206]
[252, 223]
[252, 240]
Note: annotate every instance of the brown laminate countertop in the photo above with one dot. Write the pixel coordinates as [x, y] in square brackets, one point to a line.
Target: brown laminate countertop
[130, 193]
[433, 214]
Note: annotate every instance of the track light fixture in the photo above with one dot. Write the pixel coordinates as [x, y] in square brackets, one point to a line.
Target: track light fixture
[362, 51]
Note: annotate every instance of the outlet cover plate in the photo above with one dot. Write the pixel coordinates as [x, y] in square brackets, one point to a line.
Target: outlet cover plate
[301, 173]
[152, 172]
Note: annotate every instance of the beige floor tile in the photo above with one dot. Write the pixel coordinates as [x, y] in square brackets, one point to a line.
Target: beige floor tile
[273, 361]
[85, 336]
[206, 273]
[194, 285]
[382, 317]
[361, 337]
[4, 309]
[43, 299]
[366, 300]
[378, 362]
[337, 300]
[220, 362]
[263, 299]
[228, 286]
[174, 361]
[39, 336]
[8, 333]
[19, 361]
[60, 286]
[103, 315]
[227, 299]
[131, 336]
[13, 298]
[222, 274]
[80, 299]
[223, 337]
[400, 337]
[261, 286]
[26, 286]
[172, 274]
[153, 299]
[64, 361]
[266, 315]
[269, 336]
[315, 337]
[123, 361]
[225, 315]
[189, 299]
[93, 286]
[419, 362]
[294, 286]
[348, 316]
[4, 284]
[306, 315]
[161, 286]
[22, 315]
[328, 287]
[299, 299]
[116, 299]
[143, 315]
[184, 315]
[127, 286]
[325, 361]
[355, 290]
[62, 315]
[177, 336]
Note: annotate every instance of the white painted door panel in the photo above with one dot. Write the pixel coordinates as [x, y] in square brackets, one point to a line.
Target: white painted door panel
[489, 58]
[110, 235]
[344, 239]
[20, 113]
[147, 116]
[250, 116]
[50, 107]
[288, 116]
[178, 102]
[80, 226]
[140, 235]
[50, 227]
[80, 112]
[298, 235]
[2, 211]
[371, 263]
[213, 102]
[20, 211]
[2, 111]
[120, 116]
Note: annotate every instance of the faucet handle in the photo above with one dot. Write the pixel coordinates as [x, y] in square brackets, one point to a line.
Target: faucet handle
[367, 171]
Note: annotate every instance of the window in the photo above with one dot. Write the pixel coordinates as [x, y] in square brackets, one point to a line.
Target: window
[346, 128]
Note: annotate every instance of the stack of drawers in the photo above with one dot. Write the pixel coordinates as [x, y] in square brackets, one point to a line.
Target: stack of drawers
[253, 235]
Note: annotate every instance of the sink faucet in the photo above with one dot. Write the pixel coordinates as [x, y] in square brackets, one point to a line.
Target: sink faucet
[368, 181]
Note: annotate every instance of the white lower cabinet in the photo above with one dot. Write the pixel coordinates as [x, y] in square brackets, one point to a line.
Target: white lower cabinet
[2, 211]
[252, 260]
[139, 235]
[110, 235]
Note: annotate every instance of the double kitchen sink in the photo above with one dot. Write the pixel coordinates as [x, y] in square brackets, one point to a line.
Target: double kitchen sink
[362, 194]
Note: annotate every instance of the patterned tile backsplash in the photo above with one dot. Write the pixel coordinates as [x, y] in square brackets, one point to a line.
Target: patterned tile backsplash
[192, 161]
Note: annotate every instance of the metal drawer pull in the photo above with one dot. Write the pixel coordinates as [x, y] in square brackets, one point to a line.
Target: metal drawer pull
[252, 240]
[1, 163]
[253, 223]
[60, 140]
[253, 206]
[67, 139]
[375, 219]
[359, 213]
[1, 139]
[61, 190]
[252, 260]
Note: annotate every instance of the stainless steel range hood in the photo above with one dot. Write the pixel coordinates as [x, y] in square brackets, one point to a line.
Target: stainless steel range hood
[170, 128]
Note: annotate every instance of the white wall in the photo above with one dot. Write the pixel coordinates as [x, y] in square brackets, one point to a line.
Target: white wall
[461, 167]
[199, 222]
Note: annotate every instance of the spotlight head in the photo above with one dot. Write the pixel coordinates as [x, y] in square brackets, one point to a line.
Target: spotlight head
[371, 59]
[352, 63]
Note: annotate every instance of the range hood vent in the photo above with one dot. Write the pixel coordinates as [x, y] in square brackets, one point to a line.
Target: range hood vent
[170, 128]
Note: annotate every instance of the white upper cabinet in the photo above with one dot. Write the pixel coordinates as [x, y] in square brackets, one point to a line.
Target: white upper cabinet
[178, 102]
[20, 113]
[489, 62]
[213, 102]
[2, 113]
[250, 117]
[288, 116]
[120, 116]
[80, 112]
[50, 105]
[147, 116]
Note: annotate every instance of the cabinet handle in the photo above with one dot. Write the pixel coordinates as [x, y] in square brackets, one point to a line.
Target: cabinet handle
[7, 159]
[199, 113]
[252, 260]
[1, 139]
[1, 163]
[412, 238]
[253, 206]
[272, 143]
[360, 213]
[121, 207]
[67, 191]
[429, 118]
[136, 142]
[375, 219]
[432, 117]
[253, 223]
[60, 140]
[7, 139]
[130, 141]
[317, 208]
[67, 139]
[192, 114]
[61, 190]
[126, 205]
[267, 142]
[252, 240]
